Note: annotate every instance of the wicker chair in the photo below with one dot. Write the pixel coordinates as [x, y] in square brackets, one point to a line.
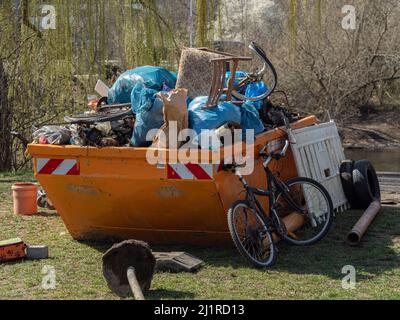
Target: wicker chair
[203, 72]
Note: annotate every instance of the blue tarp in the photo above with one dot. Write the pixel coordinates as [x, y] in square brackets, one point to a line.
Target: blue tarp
[149, 113]
[200, 118]
[253, 89]
[251, 118]
[238, 74]
[208, 119]
[153, 78]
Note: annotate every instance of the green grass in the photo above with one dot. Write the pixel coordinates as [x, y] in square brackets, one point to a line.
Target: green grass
[300, 273]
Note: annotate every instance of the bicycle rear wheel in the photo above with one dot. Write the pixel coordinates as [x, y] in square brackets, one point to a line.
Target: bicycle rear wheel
[316, 203]
[105, 116]
[250, 235]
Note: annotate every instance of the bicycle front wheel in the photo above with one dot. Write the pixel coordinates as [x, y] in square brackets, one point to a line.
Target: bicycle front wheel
[250, 235]
[310, 205]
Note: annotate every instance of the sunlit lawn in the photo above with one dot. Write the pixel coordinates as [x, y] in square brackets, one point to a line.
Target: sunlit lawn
[300, 273]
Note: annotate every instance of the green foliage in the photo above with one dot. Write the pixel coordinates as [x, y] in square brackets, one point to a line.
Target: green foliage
[51, 75]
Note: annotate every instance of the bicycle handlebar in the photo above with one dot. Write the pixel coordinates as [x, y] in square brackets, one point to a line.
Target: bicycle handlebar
[269, 156]
[277, 156]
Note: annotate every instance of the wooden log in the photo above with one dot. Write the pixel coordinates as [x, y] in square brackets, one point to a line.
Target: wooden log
[134, 284]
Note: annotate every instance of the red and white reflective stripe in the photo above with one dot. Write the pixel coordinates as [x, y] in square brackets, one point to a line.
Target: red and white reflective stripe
[190, 171]
[60, 167]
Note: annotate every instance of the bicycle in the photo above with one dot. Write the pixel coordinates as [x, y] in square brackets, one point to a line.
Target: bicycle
[305, 198]
[256, 76]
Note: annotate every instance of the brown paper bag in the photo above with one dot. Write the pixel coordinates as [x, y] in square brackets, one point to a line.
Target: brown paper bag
[175, 109]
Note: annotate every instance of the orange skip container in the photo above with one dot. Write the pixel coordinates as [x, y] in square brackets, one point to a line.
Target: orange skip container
[114, 192]
[24, 198]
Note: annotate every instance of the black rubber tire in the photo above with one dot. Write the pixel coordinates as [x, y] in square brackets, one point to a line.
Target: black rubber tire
[329, 220]
[346, 176]
[41, 202]
[239, 245]
[366, 184]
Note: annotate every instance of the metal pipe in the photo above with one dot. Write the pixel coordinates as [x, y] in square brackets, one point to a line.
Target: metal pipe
[355, 235]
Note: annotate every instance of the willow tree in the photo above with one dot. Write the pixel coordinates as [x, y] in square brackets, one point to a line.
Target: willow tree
[5, 110]
[318, 8]
[293, 24]
[219, 12]
[5, 123]
[201, 23]
[150, 52]
[48, 73]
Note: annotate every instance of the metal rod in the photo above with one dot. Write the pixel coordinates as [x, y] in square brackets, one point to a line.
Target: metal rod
[134, 284]
[355, 235]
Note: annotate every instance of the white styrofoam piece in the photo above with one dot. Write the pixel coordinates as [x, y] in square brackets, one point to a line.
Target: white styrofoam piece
[101, 88]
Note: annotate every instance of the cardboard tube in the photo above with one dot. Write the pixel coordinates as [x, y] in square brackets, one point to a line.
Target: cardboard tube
[355, 235]
[292, 222]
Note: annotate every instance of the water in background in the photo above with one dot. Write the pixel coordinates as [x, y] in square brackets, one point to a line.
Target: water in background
[388, 161]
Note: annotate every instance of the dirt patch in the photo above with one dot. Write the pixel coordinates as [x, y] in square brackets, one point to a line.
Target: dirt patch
[379, 130]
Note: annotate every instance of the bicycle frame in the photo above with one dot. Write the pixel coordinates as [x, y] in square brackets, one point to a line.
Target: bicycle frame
[274, 186]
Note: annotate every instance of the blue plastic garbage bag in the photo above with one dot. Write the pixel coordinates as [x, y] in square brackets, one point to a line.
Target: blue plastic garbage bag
[149, 114]
[153, 78]
[253, 89]
[209, 119]
[246, 115]
[251, 119]
[238, 74]
[213, 118]
[256, 89]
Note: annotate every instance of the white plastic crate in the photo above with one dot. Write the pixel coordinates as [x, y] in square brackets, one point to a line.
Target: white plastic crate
[318, 154]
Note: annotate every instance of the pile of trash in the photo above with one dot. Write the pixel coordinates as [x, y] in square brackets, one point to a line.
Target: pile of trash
[137, 104]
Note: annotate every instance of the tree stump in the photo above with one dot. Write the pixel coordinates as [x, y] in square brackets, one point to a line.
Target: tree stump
[122, 256]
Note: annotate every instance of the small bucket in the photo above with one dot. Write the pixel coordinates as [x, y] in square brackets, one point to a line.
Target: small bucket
[24, 197]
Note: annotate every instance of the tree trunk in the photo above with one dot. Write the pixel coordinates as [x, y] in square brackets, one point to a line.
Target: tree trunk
[5, 123]
[201, 23]
[319, 15]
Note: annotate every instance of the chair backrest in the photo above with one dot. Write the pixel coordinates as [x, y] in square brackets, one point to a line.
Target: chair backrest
[203, 72]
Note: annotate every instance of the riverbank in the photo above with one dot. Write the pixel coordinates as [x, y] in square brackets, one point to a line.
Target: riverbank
[378, 131]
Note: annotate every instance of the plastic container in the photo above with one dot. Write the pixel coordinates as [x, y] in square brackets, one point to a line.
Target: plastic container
[37, 252]
[24, 198]
[115, 193]
[12, 249]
